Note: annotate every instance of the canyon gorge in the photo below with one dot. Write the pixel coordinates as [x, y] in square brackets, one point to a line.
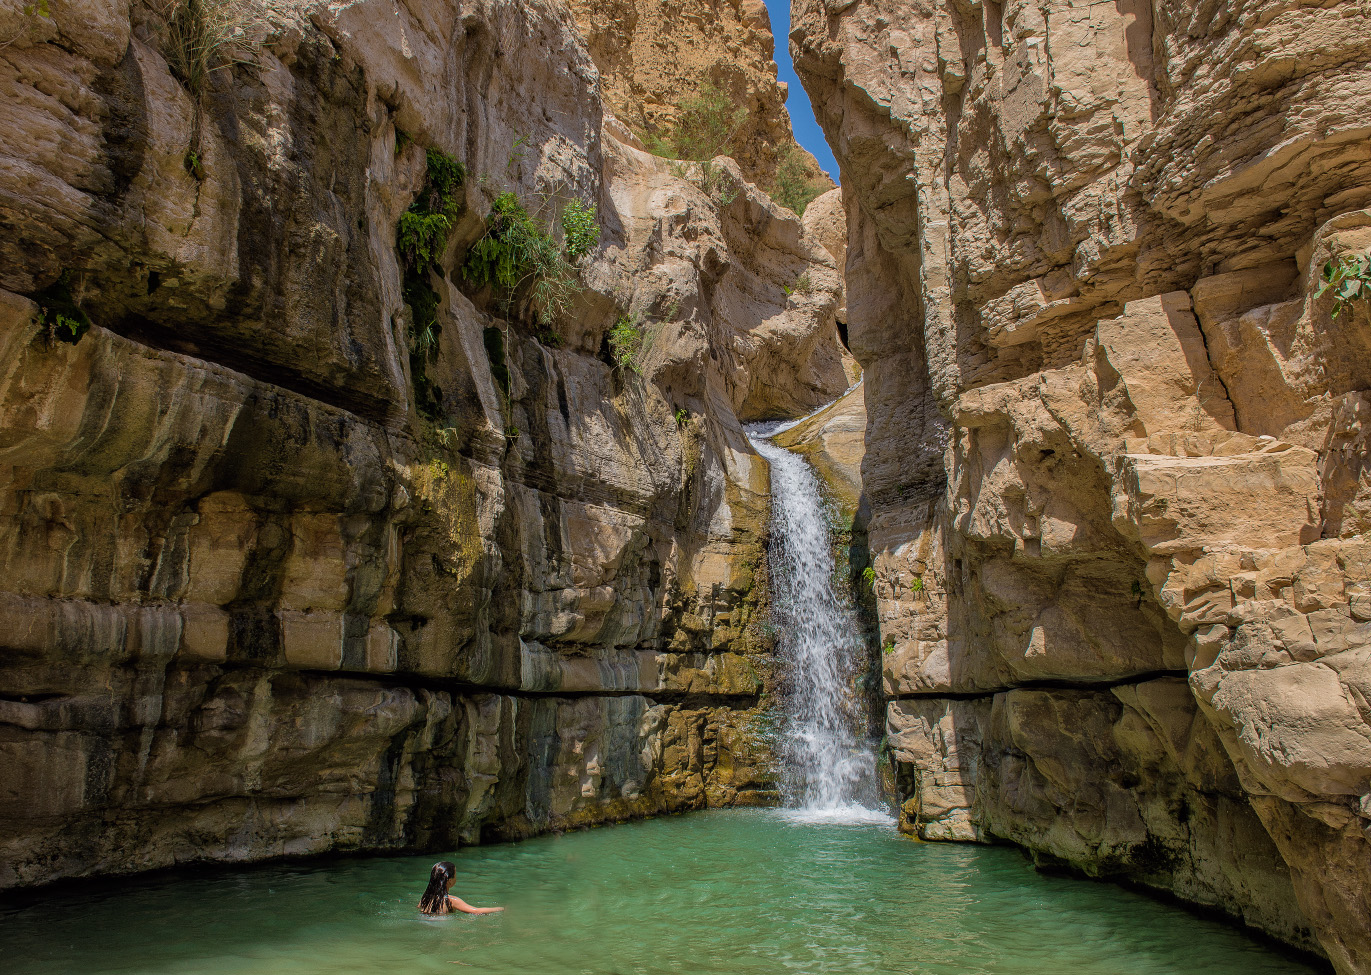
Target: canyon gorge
[312, 544]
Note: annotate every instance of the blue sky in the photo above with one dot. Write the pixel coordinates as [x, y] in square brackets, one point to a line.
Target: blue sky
[807, 131]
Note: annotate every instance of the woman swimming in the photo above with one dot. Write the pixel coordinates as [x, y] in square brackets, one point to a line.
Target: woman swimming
[437, 900]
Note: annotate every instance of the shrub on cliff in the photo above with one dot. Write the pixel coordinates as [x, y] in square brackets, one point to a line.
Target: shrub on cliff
[626, 341]
[580, 229]
[706, 126]
[793, 187]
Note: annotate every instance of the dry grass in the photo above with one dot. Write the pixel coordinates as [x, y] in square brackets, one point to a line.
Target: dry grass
[196, 35]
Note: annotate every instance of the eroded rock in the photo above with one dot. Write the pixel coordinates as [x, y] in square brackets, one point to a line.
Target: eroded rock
[1114, 440]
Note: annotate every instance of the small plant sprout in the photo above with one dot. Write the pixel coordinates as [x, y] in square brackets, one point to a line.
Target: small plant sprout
[1349, 279]
[869, 578]
[682, 417]
[917, 586]
[889, 647]
[516, 153]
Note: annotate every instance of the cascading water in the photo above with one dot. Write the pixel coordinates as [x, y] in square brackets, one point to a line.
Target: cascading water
[829, 766]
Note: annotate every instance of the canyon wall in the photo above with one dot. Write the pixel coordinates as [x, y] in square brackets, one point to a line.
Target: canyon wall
[1116, 445]
[278, 574]
[654, 55]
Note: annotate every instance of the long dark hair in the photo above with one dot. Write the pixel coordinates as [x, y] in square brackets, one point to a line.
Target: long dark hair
[434, 900]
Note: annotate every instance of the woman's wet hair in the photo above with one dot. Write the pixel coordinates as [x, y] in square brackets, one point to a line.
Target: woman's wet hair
[435, 900]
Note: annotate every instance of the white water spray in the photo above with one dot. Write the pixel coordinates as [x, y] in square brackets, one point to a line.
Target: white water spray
[829, 767]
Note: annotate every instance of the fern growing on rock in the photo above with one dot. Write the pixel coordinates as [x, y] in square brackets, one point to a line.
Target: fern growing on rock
[420, 240]
[517, 257]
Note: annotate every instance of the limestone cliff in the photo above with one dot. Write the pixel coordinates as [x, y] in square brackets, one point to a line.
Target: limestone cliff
[280, 573]
[652, 55]
[1116, 456]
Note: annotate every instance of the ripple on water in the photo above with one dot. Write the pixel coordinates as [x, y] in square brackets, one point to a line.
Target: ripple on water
[743, 892]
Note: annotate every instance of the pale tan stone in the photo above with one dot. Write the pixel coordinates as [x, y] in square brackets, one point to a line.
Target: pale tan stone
[1083, 253]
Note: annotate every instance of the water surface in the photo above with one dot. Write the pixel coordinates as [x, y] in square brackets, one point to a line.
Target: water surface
[736, 892]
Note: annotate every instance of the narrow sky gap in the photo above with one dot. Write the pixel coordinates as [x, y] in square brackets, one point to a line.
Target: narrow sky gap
[807, 131]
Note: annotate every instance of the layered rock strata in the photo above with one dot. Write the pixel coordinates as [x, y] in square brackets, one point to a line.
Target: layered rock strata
[654, 55]
[254, 601]
[1115, 447]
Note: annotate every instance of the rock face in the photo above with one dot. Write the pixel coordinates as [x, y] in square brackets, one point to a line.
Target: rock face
[1115, 448]
[653, 54]
[254, 601]
[834, 441]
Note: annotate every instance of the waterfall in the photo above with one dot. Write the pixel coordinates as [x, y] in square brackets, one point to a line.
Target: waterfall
[829, 767]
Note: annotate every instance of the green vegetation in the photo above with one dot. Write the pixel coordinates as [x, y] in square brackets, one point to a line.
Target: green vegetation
[706, 126]
[420, 240]
[626, 341]
[869, 579]
[1349, 278]
[60, 311]
[793, 187]
[424, 227]
[710, 178]
[802, 285]
[580, 229]
[889, 647]
[714, 181]
[917, 586]
[39, 9]
[196, 33]
[682, 417]
[518, 257]
[193, 164]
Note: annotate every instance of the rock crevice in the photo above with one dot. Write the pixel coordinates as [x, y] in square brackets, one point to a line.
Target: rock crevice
[1113, 433]
[304, 551]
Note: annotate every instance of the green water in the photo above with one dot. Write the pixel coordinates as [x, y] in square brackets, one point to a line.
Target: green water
[724, 892]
